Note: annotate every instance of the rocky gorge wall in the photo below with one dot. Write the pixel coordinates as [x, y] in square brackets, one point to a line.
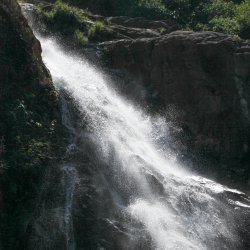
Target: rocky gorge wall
[29, 125]
[200, 78]
[204, 77]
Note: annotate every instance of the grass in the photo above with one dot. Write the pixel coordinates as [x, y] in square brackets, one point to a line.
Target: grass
[72, 23]
[80, 39]
[63, 17]
[95, 30]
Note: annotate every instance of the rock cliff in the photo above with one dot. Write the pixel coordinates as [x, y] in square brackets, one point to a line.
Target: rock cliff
[202, 78]
[29, 124]
[205, 78]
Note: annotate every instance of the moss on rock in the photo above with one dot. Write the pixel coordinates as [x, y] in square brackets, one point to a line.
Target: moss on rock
[29, 124]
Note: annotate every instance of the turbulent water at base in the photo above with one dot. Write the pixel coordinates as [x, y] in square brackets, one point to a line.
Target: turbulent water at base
[153, 203]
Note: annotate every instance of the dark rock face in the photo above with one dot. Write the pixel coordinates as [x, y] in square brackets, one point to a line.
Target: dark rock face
[142, 23]
[205, 77]
[133, 33]
[29, 124]
[133, 28]
[14, 29]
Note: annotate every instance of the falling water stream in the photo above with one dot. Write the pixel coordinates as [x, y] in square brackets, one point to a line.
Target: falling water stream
[176, 209]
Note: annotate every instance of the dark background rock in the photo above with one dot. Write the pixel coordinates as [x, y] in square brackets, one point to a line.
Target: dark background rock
[142, 23]
[29, 125]
[205, 76]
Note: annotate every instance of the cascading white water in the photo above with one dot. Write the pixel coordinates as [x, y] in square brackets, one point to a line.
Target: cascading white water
[69, 183]
[177, 210]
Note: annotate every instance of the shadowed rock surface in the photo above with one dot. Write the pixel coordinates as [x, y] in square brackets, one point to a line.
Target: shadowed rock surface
[205, 78]
[29, 124]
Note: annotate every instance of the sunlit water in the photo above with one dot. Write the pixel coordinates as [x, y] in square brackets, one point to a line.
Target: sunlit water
[177, 210]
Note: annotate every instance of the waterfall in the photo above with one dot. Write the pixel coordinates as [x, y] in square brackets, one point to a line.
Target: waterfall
[174, 208]
[146, 200]
[70, 179]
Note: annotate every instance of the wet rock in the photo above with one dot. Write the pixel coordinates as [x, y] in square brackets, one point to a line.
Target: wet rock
[205, 76]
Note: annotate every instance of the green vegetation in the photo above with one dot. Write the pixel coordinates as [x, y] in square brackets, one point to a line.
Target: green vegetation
[162, 30]
[150, 9]
[63, 17]
[80, 38]
[231, 17]
[243, 18]
[72, 22]
[95, 31]
[228, 16]
[224, 16]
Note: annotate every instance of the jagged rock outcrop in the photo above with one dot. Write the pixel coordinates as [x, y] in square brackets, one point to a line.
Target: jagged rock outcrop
[140, 22]
[140, 27]
[29, 125]
[205, 78]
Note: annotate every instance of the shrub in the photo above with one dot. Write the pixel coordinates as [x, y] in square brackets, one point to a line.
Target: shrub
[80, 39]
[219, 9]
[162, 30]
[151, 9]
[243, 17]
[95, 30]
[38, 152]
[230, 17]
[225, 24]
[63, 17]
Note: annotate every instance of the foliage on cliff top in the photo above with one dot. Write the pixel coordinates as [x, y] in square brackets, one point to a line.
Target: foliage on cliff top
[231, 17]
[72, 22]
[62, 16]
[227, 16]
[223, 16]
